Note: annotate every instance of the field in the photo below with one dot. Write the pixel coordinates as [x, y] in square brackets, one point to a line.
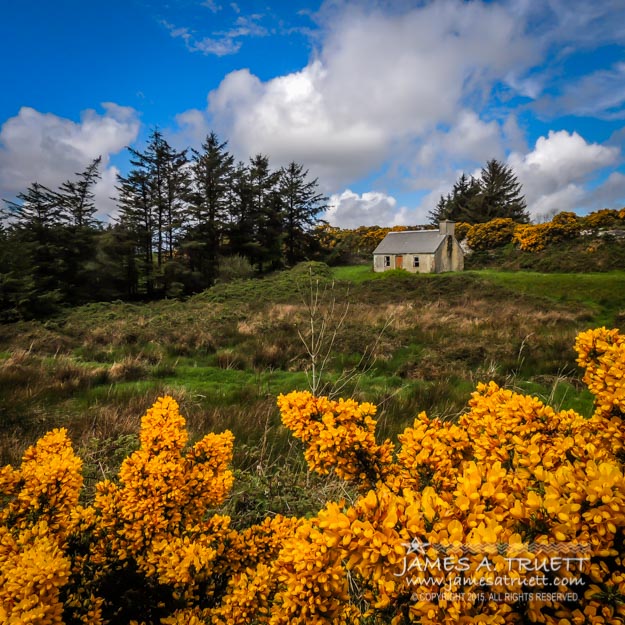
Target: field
[406, 343]
[318, 518]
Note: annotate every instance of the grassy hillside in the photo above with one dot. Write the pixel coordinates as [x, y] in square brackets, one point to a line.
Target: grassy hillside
[579, 255]
[407, 343]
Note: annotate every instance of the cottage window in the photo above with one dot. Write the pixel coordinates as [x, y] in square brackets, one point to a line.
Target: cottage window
[415, 262]
[387, 261]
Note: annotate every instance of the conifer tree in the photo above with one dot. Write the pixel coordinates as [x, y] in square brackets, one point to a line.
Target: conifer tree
[301, 205]
[500, 194]
[77, 200]
[266, 211]
[496, 193]
[37, 224]
[210, 197]
[137, 218]
[240, 227]
[152, 202]
[77, 196]
[460, 204]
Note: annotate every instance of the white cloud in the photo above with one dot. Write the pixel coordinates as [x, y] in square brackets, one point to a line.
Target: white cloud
[554, 174]
[379, 81]
[473, 138]
[212, 6]
[469, 142]
[350, 210]
[514, 136]
[288, 119]
[576, 22]
[221, 43]
[404, 90]
[218, 47]
[192, 128]
[45, 148]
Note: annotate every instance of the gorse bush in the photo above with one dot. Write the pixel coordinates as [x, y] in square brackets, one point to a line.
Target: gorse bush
[604, 218]
[493, 233]
[514, 514]
[563, 226]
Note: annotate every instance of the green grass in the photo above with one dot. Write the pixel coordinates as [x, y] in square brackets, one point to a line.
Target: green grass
[355, 273]
[603, 293]
[560, 394]
[227, 353]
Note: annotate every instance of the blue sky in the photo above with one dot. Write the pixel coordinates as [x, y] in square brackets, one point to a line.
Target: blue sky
[386, 102]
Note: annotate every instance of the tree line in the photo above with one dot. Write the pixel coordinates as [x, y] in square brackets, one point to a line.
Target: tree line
[182, 217]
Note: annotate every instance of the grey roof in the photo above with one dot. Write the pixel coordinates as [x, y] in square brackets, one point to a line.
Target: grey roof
[410, 242]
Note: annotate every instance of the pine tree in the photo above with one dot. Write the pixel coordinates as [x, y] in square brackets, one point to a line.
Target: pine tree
[77, 200]
[266, 212]
[137, 218]
[116, 273]
[37, 229]
[77, 196]
[240, 229]
[152, 201]
[439, 212]
[210, 197]
[500, 194]
[37, 209]
[496, 193]
[301, 204]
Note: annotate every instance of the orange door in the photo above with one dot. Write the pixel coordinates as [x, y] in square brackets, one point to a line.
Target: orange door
[399, 262]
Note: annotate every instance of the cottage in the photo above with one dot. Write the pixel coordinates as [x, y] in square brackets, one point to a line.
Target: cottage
[420, 251]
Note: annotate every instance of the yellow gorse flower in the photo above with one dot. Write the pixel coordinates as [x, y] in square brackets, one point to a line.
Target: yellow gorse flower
[447, 527]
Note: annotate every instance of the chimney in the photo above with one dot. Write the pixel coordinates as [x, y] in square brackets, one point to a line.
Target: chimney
[447, 227]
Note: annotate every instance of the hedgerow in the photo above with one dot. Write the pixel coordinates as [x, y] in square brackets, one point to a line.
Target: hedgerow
[513, 514]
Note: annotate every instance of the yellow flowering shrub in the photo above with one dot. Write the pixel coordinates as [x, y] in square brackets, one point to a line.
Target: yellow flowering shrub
[513, 514]
[601, 353]
[531, 237]
[604, 218]
[339, 435]
[491, 234]
[535, 237]
[461, 230]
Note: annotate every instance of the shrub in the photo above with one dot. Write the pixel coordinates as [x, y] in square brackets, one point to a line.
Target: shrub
[461, 230]
[234, 268]
[562, 227]
[514, 514]
[491, 234]
[604, 218]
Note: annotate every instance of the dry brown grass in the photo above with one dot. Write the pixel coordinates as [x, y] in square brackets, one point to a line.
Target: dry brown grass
[127, 370]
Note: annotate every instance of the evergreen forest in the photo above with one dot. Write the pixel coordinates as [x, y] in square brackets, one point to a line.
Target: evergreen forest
[184, 218]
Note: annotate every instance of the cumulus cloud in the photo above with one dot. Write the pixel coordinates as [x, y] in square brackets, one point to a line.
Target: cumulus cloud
[350, 210]
[288, 119]
[406, 91]
[380, 80]
[554, 174]
[442, 155]
[45, 148]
